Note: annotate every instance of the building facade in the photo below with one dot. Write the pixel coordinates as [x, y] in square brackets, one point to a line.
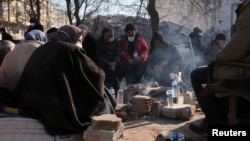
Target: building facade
[15, 18]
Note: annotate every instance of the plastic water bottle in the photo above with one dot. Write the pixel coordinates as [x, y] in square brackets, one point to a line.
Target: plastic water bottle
[120, 97]
[169, 96]
[170, 136]
[175, 87]
[112, 91]
[179, 83]
[135, 55]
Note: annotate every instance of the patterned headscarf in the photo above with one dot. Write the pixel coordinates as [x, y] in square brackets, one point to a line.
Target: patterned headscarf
[70, 33]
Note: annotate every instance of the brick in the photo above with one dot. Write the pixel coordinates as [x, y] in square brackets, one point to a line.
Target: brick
[106, 122]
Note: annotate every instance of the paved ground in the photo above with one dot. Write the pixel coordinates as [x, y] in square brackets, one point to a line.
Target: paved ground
[147, 130]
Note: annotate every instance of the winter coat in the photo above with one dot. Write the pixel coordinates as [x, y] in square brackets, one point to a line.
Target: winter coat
[63, 88]
[141, 48]
[238, 49]
[107, 52]
[166, 53]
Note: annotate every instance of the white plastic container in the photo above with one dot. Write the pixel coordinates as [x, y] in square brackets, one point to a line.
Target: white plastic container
[119, 99]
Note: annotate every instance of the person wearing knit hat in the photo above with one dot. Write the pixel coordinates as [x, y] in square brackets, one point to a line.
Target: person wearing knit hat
[221, 40]
[134, 54]
[129, 27]
[217, 45]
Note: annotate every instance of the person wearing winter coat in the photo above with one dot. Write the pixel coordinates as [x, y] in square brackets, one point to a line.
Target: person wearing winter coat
[134, 54]
[164, 61]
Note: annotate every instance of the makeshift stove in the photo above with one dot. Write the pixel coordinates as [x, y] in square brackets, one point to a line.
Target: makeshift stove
[149, 101]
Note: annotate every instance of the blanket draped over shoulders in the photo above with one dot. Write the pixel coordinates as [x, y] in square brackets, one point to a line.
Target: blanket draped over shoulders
[62, 88]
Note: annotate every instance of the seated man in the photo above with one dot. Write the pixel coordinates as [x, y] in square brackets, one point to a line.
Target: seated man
[164, 59]
[217, 45]
[134, 54]
[235, 51]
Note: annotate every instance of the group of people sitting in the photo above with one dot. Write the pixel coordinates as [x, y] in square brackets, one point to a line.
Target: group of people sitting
[129, 56]
[61, 77]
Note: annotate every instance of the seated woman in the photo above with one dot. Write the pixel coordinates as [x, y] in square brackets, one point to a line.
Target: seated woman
[61, 86]
[164, 60]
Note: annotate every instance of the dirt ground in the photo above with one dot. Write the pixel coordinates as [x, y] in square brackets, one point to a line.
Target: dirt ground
[148, 129]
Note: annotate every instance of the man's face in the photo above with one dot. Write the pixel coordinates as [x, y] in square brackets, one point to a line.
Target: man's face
[109, 35]
[131, 33]
[221, 43]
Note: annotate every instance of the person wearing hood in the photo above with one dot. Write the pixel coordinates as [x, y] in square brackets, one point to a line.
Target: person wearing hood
[108, 56]
[134, 54]
[164, 61]
[217, 45]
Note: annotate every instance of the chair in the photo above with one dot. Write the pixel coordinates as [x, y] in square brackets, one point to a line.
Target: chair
[214, 86]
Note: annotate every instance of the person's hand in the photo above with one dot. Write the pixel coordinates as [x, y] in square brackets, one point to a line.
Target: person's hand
[138, 60]
[112, 65]
[131, 61]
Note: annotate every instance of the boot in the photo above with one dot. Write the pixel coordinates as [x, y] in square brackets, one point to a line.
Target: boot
[199, 128]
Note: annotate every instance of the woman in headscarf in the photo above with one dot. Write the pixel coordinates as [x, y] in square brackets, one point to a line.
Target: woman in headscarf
[15, 60]
[61, 86]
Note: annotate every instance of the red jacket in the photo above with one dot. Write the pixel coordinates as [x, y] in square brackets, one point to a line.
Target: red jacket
[141, 48]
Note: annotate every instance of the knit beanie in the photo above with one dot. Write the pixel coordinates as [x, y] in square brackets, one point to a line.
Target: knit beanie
[220, 36]
[129, 27]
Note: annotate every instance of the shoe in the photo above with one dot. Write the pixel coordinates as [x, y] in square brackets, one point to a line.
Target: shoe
[199, 128]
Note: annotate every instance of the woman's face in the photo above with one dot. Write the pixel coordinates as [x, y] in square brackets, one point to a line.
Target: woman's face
[221, 43]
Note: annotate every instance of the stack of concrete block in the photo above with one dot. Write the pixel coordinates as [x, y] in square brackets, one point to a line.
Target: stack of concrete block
[106, 127]
[141, 104]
